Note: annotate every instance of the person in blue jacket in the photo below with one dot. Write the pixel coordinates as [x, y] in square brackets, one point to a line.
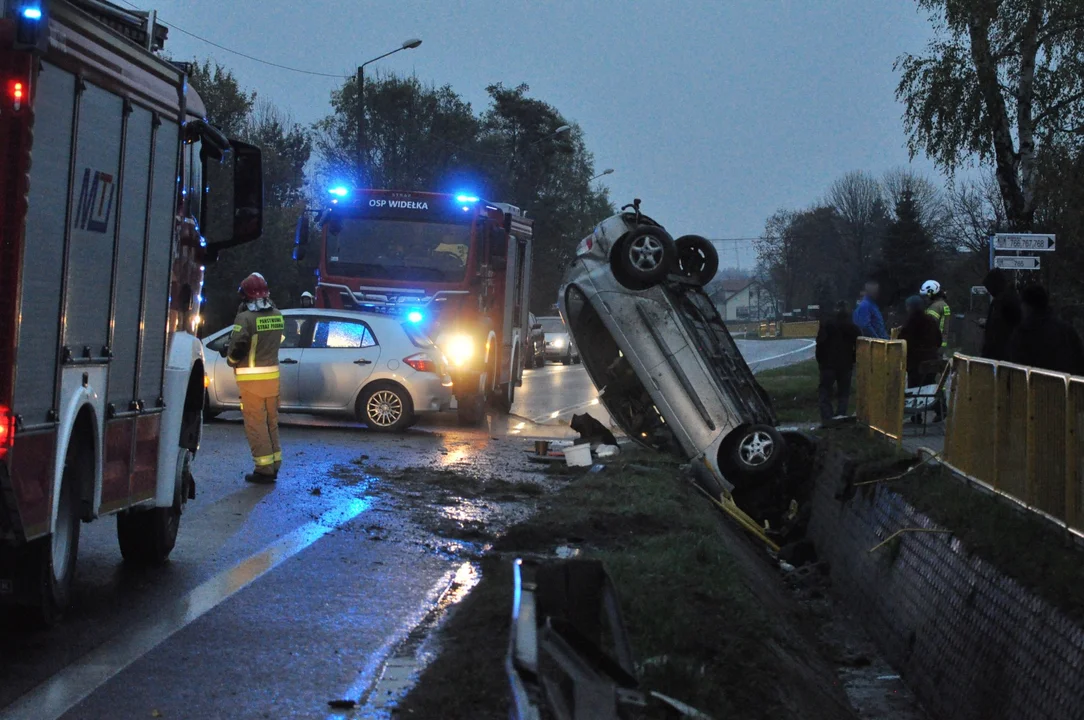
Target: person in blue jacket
[867, 316]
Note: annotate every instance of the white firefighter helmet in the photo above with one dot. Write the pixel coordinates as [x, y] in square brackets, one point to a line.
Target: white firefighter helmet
[931, 288]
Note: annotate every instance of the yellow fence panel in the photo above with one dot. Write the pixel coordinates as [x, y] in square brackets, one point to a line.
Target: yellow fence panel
[1074, 466]
[1020, 430]
[800, 329]
[882, 379]
[1011, 451]
[982, 385]
[1047, 396]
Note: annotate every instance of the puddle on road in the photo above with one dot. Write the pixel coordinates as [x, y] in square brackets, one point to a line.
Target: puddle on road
[455, 510]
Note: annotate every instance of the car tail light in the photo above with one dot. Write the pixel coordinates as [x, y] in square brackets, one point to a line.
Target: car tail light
[422, 363]
[7, 430]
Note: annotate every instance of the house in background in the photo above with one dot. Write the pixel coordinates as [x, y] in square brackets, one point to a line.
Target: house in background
[743, 300]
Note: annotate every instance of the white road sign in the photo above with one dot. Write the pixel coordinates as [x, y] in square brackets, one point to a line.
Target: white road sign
[1010, 262]
[1034, 243]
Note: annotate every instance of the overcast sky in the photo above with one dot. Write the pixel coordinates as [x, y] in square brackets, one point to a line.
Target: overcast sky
[714, 112]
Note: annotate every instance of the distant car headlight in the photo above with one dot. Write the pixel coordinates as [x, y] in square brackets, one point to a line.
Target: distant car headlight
[459, 349]
[559, 343]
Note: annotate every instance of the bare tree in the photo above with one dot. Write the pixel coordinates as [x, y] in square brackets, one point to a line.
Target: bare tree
[977, 211]
[779, 256]
[857, 199]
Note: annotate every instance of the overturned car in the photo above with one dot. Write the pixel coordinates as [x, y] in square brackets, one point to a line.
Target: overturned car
[665, 365]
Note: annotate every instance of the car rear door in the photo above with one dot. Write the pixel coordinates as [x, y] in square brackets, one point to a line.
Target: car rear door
[296, 335]
[341, 357]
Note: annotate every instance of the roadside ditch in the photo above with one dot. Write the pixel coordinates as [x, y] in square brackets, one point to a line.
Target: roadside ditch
[713, 621]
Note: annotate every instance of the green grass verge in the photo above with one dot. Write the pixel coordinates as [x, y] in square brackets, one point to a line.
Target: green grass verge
[793, 390]
[684, 597]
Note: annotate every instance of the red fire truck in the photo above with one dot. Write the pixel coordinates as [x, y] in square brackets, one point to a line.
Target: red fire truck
[456, 265]
[115, 195]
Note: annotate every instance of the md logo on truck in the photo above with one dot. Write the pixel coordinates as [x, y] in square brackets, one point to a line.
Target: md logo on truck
[95, 201]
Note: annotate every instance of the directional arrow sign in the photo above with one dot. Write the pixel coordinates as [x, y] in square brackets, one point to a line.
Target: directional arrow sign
[1008, 262]
[1034, 243]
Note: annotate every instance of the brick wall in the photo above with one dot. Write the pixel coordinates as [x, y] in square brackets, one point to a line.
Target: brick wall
[970, 642]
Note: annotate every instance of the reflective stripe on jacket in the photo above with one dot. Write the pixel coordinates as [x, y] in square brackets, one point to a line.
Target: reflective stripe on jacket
[939, 311]
[254, 344]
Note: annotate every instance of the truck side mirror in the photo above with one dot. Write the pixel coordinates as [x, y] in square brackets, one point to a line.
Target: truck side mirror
[301, 238]
[233, 196]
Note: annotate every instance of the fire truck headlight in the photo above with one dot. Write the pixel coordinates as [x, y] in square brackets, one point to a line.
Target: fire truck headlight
[459, 349]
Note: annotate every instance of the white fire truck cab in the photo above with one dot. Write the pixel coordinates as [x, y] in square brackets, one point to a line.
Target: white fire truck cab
[115, 194]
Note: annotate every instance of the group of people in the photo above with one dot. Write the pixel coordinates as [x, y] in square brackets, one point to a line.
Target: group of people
[1019, 328]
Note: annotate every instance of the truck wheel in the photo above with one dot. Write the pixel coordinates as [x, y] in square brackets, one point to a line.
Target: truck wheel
[644, 257]
[697, 258]
[503, 397]
[147, 537]
[50, 562]
[62, 552]
[755, 450]
[471, 410]
[386, 407]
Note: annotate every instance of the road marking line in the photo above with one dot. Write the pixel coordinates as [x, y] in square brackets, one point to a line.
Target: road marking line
[452, 587]
[66, 689]
[810, 346]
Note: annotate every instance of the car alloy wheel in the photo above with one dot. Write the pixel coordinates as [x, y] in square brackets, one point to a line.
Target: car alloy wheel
[756, 448]
[384, 409]
[646, 253]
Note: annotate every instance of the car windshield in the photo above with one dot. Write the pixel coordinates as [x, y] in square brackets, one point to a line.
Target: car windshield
[397, 249]
[552, 325]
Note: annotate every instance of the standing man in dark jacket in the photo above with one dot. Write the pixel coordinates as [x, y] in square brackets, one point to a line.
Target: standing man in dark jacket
[1003, 317]
[1043, 340]
[836, 340]
[923, 336]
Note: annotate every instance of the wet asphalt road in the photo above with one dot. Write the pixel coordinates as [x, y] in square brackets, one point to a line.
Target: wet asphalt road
[278, 599]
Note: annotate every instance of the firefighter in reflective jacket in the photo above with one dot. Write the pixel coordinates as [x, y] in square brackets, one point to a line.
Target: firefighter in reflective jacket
[253, 354]
[937, 307]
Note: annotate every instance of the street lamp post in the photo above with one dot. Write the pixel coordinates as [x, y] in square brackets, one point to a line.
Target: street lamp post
[607, 171]
[407, 45]
[527, 159]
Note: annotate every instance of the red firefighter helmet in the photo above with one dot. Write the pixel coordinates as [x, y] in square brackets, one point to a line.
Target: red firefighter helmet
[254, 287]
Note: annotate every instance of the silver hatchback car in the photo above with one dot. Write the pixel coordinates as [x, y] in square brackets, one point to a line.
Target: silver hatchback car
[374, 367]
[665, 365]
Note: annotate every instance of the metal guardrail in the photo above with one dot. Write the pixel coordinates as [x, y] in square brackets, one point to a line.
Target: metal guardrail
[881, 381]
[1020, 430]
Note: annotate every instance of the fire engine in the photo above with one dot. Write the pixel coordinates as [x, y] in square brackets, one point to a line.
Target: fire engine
[454, 264]
[116, 194]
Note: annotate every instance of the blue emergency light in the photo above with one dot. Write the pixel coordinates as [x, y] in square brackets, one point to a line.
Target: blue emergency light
[414, 316]
[466, 198]
[32, 12]
[339, 191]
